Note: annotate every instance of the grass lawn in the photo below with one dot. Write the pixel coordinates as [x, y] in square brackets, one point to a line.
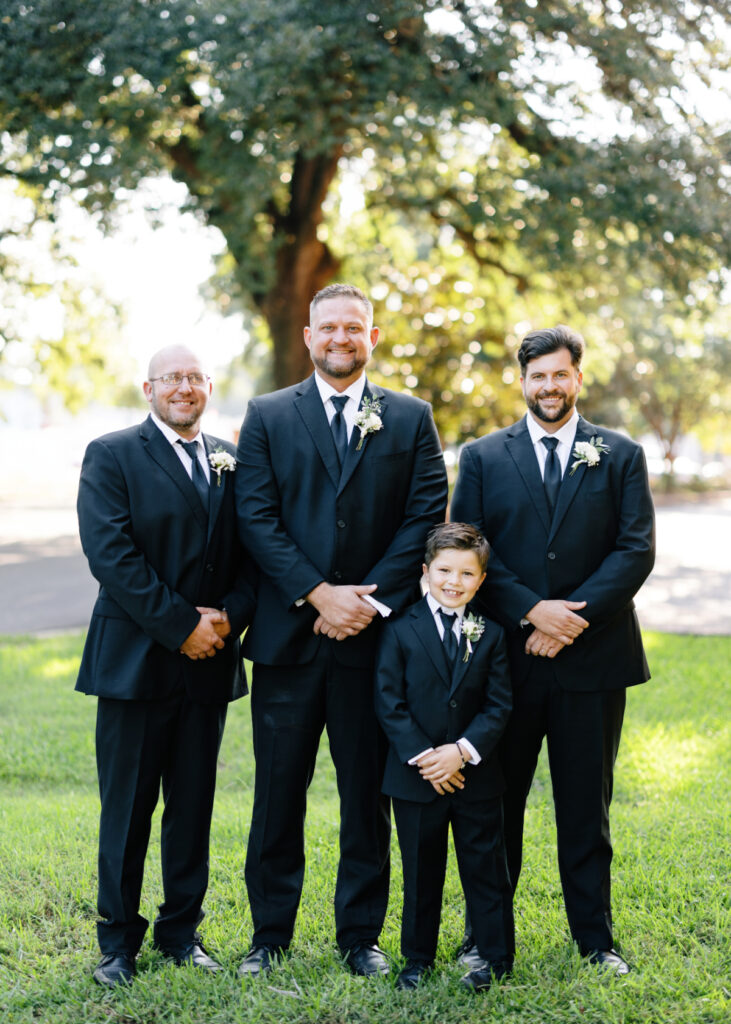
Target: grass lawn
[671, 875]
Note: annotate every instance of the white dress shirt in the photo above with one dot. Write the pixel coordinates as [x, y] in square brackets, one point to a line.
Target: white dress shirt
[172, 436]
[354, 393]
[565, 437]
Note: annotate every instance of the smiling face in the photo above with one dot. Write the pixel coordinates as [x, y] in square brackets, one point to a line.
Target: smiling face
[180, 406]
[551, 386]
[454, 576]
[340, 339]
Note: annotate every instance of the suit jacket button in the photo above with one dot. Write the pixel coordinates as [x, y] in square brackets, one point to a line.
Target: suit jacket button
[341, 524]
[338, 575]
[209, 567]
[453, 703]
[551, 555]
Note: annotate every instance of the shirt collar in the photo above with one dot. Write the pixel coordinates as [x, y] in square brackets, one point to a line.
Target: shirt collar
[565, 435]
[354, 390]
[172, 435]
[434, 607]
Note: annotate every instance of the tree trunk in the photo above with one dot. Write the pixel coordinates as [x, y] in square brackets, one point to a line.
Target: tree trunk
[303, 267]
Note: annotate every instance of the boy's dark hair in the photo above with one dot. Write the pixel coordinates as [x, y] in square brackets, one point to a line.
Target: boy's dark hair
[461, 536]
[551, 339]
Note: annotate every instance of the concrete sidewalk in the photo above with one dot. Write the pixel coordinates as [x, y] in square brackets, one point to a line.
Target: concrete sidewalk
[46, 585]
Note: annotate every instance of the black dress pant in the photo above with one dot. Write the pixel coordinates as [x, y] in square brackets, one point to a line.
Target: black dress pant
[290, 707]
[582, 731]
[139, 745]
[477, 828]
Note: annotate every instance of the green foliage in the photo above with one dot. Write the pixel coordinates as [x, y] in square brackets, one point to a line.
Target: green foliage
[58, 330]
[559, 141]
[670, 825]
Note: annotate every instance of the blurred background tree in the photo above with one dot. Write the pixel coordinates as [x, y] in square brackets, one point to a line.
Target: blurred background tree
[480, 168]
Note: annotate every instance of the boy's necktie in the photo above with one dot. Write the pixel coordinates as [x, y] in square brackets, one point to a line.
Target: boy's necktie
[449, 639]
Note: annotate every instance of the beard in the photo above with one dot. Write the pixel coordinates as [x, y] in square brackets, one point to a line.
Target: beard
[557, 412]
[338, 368]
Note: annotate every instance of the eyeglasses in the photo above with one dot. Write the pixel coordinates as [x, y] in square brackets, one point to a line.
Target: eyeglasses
[196, 380]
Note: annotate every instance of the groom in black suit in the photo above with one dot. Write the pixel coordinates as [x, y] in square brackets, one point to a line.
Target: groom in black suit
[158, 526]
[337, 486]
[566, 507]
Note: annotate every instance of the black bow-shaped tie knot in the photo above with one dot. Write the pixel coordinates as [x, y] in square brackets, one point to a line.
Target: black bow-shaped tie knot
[199, 476]
[552, 472]
[449, 639]
[338, 427]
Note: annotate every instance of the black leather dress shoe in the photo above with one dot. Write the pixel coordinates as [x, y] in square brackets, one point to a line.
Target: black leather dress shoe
[609, 960]
[195, 955]
[480, 978]
[468, 956]
[412, 974]
[367, 960]
[259, 960]
[115, 969]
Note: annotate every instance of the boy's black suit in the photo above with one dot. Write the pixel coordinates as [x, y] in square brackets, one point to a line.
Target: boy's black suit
[157, 555]
[422, 702]
[598, 547]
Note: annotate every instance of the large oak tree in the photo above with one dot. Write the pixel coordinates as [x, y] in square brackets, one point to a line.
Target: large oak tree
[552, 137]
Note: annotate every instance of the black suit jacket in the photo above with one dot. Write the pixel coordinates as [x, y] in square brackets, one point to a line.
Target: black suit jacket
[156, 556]
[599, 547]
[421, 702]
[306, 522]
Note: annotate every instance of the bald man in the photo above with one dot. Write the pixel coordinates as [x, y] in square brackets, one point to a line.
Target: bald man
[158, 525]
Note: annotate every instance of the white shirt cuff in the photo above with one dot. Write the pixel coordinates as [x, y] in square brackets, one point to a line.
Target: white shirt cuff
[382, 609]
[466, 745]
[414, 760]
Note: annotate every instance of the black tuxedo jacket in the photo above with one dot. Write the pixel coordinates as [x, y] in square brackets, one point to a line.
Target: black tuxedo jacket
[599, 547]
[423, 702]
[305, 522]
[156, 556]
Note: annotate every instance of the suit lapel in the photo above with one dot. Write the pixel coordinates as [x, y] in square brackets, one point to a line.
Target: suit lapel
[462, 666]
[309, 405]
[160, 449]
[571, 481]
[427, 634]
[217, 490]
[353, 455]
[520, 449]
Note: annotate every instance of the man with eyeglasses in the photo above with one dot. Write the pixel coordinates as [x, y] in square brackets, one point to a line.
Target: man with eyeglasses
[158, 525]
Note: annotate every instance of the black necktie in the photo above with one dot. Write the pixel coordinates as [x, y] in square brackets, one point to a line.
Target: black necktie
[338, 427]
[449, 639]
[552, 472]
[199, 476]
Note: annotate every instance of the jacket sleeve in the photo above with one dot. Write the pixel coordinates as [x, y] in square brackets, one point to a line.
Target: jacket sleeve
[503, 594]
[258, 506]
[425, 507]
[622, 572]
[392, 710]
[115, 560]
[486, 728]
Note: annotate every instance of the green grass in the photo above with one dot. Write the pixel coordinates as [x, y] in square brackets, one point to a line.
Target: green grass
[671, 874]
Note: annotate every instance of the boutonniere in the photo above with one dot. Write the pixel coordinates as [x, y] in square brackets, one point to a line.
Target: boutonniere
[221, 462]
[368, 419]
[589, 452]
[472, 629]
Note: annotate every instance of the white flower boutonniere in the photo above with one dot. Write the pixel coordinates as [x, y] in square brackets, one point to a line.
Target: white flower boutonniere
[589, 452]
[472, 629]
[368, 419]
[221, 462]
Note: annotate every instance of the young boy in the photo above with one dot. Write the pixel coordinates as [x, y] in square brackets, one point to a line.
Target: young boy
[443, 698]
